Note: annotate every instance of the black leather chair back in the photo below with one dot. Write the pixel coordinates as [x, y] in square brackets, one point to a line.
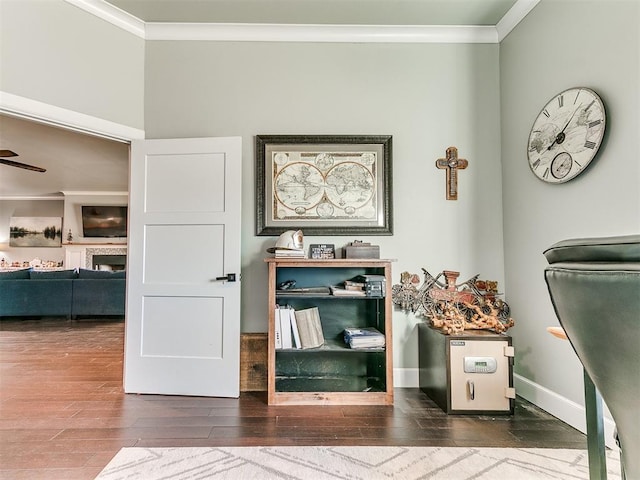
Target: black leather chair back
[594, 286]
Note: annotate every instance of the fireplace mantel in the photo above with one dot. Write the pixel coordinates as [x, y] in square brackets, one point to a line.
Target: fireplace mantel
[81, 255]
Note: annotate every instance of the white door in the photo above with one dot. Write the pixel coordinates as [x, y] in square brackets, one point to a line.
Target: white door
[183, 317]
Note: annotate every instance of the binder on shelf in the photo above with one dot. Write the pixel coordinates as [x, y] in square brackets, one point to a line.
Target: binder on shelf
[309, 327]
[278, 333]
[285, 327]
[294, 328]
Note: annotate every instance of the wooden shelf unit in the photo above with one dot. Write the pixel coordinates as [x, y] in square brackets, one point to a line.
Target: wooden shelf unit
[333, 374]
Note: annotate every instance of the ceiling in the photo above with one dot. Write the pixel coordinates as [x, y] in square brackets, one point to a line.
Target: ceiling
[74, 161]
[320, 12]
[80, 163]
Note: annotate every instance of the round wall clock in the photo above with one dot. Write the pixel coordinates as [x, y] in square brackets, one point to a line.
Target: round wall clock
[566, 135]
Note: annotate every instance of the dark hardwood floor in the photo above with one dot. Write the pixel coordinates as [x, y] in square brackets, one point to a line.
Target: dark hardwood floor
[63, 414]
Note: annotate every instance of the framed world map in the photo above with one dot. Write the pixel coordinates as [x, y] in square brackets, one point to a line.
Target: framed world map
[323, 184]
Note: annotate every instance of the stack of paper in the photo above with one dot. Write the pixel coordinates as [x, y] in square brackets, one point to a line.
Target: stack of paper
[367, 337]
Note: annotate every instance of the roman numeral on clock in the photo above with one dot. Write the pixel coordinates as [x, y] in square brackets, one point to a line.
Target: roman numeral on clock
[589, 144]
[594, 123]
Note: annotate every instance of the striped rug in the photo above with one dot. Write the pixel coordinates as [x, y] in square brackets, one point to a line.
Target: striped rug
[351, 463]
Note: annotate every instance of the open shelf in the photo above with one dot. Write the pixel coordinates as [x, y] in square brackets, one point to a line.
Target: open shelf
[333, 374]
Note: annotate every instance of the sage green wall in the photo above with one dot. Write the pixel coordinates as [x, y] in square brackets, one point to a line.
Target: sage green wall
[563, 44]
[428, 97]
[58, 54]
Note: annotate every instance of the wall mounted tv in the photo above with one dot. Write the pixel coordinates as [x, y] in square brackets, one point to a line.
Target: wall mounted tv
[104, 221]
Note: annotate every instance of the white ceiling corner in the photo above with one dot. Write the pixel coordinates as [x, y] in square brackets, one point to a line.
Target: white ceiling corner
[263, 32]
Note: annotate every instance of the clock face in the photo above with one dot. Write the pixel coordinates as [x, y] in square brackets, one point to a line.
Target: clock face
[566, 135]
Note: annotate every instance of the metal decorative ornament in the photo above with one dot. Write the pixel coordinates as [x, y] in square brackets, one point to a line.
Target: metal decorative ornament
[453, 308]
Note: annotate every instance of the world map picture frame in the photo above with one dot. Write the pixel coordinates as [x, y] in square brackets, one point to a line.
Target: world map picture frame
[324, 184]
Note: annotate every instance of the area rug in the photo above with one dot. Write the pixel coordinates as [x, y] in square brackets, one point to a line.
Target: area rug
[351, 463]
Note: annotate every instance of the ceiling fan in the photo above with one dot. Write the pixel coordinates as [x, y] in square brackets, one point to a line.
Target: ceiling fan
[11, 163]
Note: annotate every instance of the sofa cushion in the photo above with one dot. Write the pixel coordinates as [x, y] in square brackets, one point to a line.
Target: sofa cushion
[42, 297]
[100, 274]
[15, 275]
[98, 296]
[54, 275]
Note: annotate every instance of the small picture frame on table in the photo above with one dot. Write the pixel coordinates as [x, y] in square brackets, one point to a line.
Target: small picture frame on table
[322, 251]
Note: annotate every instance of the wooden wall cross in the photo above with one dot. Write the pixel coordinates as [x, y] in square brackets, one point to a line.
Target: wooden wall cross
[452, 163]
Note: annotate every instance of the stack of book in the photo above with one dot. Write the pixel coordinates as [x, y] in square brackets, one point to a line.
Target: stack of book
[298, 328]
[349, 288]
[367, 337]
[340, 291]
[289, 253]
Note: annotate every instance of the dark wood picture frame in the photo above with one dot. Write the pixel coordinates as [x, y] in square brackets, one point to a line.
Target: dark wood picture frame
[324, 173]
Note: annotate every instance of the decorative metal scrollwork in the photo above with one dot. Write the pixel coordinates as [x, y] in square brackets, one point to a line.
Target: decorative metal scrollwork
[452, 307]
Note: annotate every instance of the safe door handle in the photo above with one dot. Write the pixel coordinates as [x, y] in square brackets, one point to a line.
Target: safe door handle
[229, 277]
[472, 389]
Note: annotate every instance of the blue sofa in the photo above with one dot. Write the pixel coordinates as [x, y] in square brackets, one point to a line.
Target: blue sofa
[68, 293]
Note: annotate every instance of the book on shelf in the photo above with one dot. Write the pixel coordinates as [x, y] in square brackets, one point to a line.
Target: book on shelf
[304, 291]
[309, 327]
[367, 337]
[343, 292]
[289, 253]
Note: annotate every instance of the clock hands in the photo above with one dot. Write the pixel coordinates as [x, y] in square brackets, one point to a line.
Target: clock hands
[561, 136]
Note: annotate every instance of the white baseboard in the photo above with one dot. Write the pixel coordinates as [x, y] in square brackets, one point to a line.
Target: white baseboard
[562, 408]
[406, 377]
[568, 411]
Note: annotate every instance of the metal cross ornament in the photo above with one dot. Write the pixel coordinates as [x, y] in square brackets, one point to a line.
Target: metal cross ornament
[452, 163]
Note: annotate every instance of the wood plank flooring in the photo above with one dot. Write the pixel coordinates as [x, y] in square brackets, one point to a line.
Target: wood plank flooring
[63, 414]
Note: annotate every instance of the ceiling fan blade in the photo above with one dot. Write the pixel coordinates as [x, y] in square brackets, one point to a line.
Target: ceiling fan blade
[11, 163]
[8, 153]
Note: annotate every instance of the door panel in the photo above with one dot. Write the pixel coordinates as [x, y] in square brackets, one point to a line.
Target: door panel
[185, 183]
[197, 335]
[183, 325]
[204, 257]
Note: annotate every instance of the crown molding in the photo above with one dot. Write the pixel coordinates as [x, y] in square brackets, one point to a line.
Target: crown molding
[72, 193]
[514, 16]
[112, 14]
[31, 197]
[244, 32]
[240, 32]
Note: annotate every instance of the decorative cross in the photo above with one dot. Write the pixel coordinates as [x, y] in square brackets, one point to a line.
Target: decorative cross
[452, 163]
